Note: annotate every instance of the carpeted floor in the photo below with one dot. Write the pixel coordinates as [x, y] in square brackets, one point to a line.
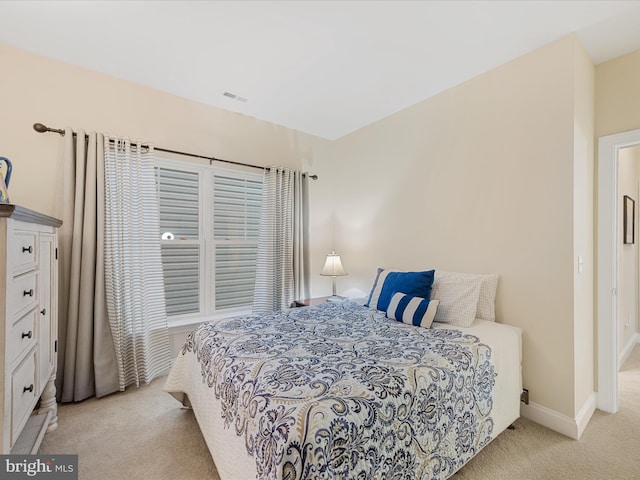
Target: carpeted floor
[144, 434]
[609, 448]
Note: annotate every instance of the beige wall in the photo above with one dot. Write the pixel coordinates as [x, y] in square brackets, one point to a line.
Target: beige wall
[36, 89]
[583, 230]
[618, 95]
[481, 179]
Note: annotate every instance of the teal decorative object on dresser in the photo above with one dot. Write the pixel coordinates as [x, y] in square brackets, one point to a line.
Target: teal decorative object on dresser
[4, 181]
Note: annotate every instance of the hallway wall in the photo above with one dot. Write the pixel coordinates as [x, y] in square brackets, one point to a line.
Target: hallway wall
[629, 285]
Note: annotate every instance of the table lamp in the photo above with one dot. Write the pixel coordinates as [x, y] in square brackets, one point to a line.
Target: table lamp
[333, 268]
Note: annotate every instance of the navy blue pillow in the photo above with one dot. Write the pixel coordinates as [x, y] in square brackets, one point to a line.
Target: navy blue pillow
[415, 284]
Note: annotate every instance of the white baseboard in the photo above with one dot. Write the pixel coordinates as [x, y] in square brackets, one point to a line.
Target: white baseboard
[571, 427]
[628, 348]
[585, 413]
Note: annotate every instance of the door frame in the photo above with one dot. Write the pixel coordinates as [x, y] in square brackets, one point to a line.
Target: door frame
[608, 265]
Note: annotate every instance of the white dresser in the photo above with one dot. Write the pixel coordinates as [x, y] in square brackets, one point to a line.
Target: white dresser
[29, 338]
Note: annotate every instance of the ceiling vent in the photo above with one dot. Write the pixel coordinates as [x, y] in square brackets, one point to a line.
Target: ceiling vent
[233, 96]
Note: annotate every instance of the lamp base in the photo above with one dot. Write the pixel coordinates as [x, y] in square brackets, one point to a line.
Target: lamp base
[336, 298]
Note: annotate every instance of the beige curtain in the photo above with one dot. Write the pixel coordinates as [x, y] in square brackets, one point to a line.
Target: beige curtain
[86, 357]
[282, 265]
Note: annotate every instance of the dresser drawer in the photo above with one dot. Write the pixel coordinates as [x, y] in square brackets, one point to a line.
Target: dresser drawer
[23, 294]
[22, 335]
[23, 394]
[23, 248]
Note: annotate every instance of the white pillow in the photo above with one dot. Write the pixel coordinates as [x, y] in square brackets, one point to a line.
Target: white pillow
[486, 308]
[458, 301]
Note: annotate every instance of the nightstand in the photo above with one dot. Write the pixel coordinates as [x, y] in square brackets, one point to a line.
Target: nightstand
[307, 302]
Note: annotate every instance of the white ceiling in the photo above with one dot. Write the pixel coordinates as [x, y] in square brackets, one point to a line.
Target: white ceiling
[321, 67]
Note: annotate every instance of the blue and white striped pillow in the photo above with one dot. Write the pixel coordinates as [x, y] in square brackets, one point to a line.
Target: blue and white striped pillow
[412, 310]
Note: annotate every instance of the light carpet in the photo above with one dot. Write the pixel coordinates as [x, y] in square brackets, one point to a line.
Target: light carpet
[145, 434]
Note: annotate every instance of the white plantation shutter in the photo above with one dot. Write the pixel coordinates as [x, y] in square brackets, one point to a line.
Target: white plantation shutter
[236, 220]
[210, 219]
[181, 265]
[235, 275]
[179, 196]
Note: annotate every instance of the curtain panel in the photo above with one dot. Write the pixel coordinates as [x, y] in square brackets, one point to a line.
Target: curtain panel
[112, 329]
[86, 357]
[133, 264]
[282, 265]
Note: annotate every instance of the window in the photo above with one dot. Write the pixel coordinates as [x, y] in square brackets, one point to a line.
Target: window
[179, 195]
[209, 220]
[236, 219]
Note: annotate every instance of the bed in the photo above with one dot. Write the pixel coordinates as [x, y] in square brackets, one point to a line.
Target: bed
[339, 390]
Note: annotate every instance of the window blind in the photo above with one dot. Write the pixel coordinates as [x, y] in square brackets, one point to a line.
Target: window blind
[236, 208]
[236, 220]
[179, 202]
[179, 195]
[181, 266]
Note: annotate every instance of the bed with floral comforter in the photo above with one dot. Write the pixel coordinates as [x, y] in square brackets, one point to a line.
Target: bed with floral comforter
[339, 391]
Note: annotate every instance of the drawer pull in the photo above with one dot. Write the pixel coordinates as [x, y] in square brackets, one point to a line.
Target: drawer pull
[29, 334]
[28, 293]
[27, 249]
[28, 389]
[43, 311]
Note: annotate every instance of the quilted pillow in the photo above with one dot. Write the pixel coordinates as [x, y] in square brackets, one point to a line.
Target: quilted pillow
[486, 307]
[412, 310]
[458, 301]
[388, 282]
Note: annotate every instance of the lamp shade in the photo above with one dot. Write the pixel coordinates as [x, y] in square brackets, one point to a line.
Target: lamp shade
[333, 266]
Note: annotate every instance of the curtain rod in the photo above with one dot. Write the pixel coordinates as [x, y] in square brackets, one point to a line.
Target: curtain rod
[40, 128]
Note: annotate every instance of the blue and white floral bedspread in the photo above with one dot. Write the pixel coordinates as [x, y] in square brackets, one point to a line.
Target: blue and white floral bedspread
[338, 391]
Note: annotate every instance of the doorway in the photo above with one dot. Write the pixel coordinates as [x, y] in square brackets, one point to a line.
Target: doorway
[608, 259]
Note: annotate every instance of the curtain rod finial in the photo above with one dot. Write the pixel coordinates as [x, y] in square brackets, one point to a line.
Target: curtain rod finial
[40, 128]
